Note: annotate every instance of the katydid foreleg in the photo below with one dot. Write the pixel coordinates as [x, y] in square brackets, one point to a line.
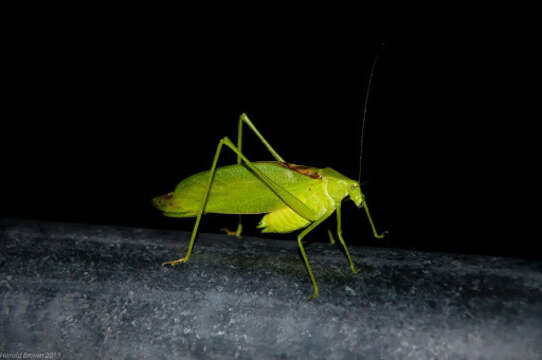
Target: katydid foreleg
[375, 233]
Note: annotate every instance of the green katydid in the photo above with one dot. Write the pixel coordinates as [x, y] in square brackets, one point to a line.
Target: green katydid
[292, 196]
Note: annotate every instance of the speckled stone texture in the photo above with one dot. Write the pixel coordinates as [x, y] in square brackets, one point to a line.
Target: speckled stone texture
[88, 291]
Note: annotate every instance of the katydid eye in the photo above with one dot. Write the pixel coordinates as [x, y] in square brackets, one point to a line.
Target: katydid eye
[353, 187]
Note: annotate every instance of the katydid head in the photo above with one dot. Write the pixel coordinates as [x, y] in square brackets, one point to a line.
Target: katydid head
[354, 191]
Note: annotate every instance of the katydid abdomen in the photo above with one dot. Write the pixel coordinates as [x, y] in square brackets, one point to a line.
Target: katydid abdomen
[236, 190]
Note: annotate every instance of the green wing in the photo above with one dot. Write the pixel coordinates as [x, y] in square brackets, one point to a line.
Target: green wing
[236, 190]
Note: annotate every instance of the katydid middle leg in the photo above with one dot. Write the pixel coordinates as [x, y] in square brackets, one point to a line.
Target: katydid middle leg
[340, 235]
[244, 119]
[300, 243]
[331, 238]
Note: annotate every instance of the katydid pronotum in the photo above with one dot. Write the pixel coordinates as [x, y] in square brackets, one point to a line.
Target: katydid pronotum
[293, 197]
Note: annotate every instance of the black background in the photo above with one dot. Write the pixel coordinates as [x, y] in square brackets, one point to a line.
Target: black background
[105, 109]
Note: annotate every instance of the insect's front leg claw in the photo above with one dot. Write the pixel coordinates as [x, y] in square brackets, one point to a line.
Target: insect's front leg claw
[381, 236]
[314, 295]
[354, 270]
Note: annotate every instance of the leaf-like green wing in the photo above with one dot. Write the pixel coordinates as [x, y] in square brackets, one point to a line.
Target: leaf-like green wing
[236, 190]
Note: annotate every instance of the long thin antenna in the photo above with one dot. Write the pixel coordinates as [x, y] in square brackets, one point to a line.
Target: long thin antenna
[364, 118]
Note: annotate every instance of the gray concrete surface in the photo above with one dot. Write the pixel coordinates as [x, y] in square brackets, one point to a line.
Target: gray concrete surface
[85, 291]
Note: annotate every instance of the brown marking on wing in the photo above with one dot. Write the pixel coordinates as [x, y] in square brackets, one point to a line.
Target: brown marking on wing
[168, 196]
[302, 169]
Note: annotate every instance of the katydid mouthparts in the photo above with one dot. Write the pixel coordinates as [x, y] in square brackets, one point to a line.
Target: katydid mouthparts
[292, 197]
